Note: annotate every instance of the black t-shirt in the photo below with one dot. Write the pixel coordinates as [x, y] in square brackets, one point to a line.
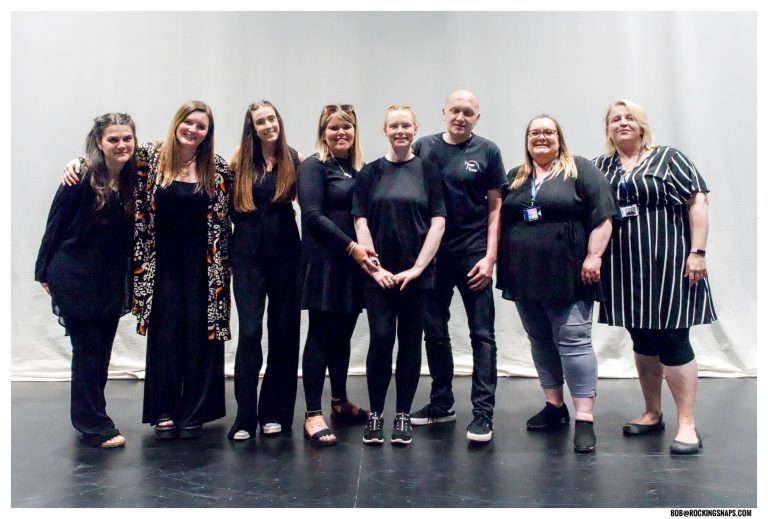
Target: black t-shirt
[399, 200]
[541, 260]
[468, 171]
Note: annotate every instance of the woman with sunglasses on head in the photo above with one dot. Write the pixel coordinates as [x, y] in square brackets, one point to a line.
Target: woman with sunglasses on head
[399, 210]
[657, 292]
[84, 265]
[181, 273]
[330, 275]
[265, 259]
[555, 225]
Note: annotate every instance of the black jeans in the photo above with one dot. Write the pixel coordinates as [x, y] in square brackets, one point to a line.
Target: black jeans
[452, 272]
[328, 346]
[255, 280]
[91, 349]
[394, 313]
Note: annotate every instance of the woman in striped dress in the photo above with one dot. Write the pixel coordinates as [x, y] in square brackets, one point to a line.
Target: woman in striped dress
[654, 270]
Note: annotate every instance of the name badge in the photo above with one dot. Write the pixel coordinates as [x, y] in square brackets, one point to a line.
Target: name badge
[628, 211]
[532, 214]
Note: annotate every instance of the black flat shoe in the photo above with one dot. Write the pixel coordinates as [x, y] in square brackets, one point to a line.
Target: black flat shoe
[638, 429]
[584, 436]
[191, 431]
[344, 411]
[678, 447]
[550, 416]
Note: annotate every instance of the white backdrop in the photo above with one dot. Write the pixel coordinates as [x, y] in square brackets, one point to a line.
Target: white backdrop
[693, 72]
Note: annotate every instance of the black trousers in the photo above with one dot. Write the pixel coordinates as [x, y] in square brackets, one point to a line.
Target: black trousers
[452, 272]
[256, 280]
[327, 346]
[185, 370]
[392, 313]
[91, 349]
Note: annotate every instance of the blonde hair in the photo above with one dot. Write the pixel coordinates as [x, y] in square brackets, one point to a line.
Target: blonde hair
[397, 108]
[564, 162]
[323, 152]
[248, 162]
[169, 164]
[638, 114]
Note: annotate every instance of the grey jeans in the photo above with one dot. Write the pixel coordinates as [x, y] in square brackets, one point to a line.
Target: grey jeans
[561, 344]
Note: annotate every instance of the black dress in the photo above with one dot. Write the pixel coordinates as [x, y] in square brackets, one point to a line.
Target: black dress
[185, 370]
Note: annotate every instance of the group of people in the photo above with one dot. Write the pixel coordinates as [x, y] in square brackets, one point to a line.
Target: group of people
[149, 228]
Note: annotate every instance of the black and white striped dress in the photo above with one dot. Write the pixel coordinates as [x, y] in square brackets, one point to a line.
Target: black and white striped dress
[644, 264]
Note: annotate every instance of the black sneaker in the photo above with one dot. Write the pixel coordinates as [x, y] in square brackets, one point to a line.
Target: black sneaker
[402, 432]
[550, 416]
[480, 429]
[584, 437]
[430, 414]
[374, 429]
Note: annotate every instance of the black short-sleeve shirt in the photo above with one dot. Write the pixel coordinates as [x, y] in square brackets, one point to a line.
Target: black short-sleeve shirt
[399, 200]
[541, 260]
[468, 171]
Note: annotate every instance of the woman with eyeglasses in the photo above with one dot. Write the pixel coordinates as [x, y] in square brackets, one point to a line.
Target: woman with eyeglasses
[555, 226]
[656, 291]
[330, 274]
[400, 212]
[84, 265]
[181, 272]
[265, 255]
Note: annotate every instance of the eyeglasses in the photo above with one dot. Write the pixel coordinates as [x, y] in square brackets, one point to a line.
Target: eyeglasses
[332, 109]
[538, 133]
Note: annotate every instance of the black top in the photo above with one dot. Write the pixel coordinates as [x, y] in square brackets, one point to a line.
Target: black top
[330, 279]
[399, 199]
[181, 226]
[468, 170]
[541, 260]
[85, 254]
[271, 229]
[643, 265]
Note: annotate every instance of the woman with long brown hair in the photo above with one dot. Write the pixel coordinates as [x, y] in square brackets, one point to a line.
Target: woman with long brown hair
[266, 249]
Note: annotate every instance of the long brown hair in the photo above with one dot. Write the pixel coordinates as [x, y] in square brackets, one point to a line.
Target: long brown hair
[564, 162]
[249, 163]
[170, 165]
[97, 166]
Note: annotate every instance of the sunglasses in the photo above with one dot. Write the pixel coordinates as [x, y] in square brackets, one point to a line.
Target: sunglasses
[332, 109]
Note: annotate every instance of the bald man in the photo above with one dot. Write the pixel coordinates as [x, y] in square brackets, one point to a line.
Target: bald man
[473, 176]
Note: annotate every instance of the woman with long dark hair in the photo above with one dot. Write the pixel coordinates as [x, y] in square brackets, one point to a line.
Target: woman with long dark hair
[84, 264]
[266, 249]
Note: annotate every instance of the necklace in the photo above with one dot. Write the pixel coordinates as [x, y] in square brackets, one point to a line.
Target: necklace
[184, 171]
[341, 168]
[627, 171]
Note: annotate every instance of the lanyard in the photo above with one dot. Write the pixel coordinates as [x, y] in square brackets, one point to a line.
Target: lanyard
[535, 188]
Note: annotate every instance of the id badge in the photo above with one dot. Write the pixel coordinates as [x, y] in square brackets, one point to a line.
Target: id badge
[628, 211]
[532, 214]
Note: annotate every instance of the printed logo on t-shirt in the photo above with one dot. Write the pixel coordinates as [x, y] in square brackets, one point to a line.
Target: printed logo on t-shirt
[472, 166]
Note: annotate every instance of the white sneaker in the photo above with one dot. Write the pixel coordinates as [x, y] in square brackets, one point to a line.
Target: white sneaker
[271, 428]
[242, 435]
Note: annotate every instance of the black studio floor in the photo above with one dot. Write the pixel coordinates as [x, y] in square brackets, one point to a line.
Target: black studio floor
[440, 469]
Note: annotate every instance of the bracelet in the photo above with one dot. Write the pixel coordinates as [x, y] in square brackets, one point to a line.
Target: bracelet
[352, 248]
[700, 252]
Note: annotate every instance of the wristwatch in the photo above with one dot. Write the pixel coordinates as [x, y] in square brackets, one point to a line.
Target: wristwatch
[700, 252]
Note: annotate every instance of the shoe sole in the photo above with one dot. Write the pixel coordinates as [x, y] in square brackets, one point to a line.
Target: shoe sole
[401, 441]
[165, 435]
[374, 441]
[585, 450]
[429, 421]
[548, 426]
[188, 435]
[635, 429]
[238, 438]
[480, 438]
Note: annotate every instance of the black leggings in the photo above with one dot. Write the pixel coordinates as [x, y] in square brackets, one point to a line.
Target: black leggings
[327, 346]
[394, 313]
[672, 346]
[91, 349]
